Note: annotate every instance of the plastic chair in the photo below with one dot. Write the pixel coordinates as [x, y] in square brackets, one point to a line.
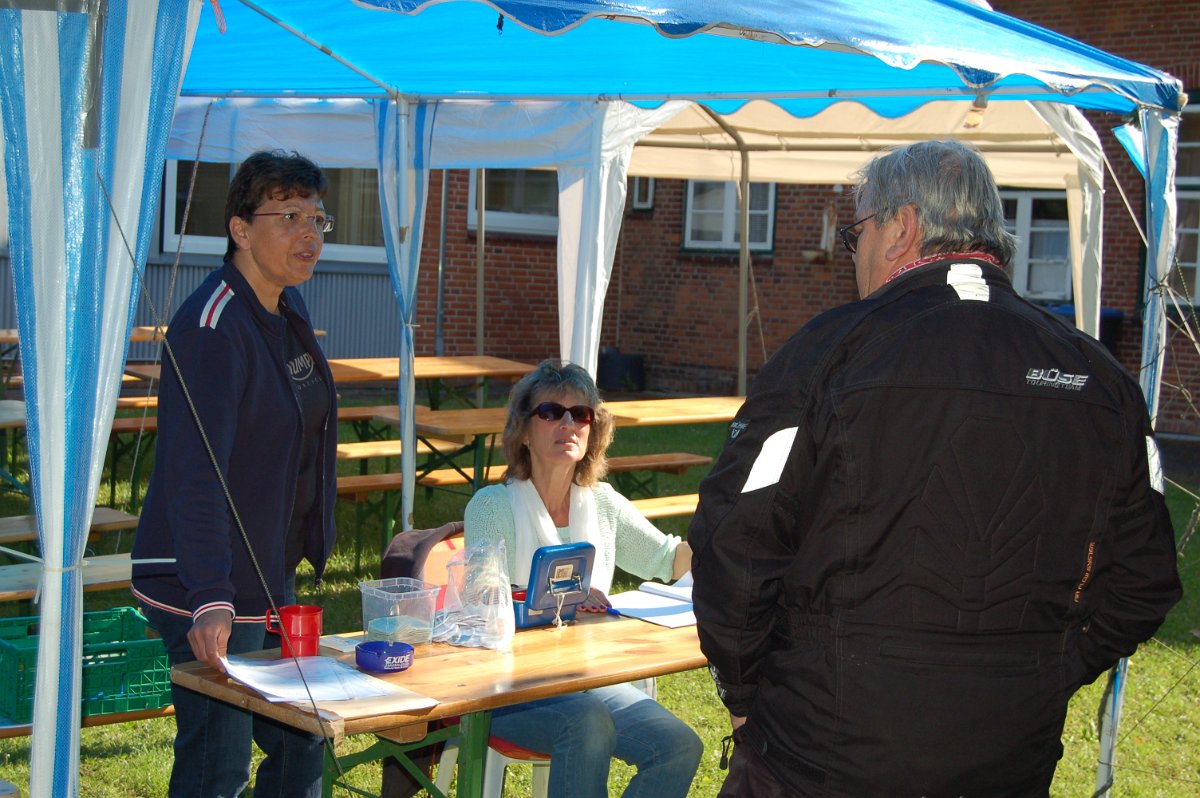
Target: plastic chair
[501, 753]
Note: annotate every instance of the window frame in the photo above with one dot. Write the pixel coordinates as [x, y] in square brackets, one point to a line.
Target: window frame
[637, 202]
[535, 224]
[1022, 228]
[1187, 188]
[194, 244]
[729, 219]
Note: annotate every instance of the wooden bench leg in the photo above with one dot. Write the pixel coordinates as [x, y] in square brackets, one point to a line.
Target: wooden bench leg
[630, 485]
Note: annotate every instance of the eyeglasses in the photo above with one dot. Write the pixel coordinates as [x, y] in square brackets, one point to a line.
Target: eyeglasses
[553, 411]
[294, 219]
[850, 239]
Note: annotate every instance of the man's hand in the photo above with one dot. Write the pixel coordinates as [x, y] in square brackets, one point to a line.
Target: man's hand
[736, 722]
[209, 637]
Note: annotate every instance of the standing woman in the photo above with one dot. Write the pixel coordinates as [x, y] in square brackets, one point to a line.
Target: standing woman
[265, 407]
[555, 441]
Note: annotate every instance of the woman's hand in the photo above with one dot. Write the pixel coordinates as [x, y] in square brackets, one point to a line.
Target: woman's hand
[209, 637]
[595, 602]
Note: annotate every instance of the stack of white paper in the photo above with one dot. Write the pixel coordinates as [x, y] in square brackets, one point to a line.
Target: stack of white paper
[665, 605]
[327, 679]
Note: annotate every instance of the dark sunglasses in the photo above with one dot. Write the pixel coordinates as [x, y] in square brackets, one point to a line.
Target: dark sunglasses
[553, 411]
[850, 239]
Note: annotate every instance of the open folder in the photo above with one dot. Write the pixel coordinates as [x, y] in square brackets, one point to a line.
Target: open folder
[665, 605]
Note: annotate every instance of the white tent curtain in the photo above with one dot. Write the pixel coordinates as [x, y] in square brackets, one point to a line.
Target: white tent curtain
[404, 133]
[87, 96]
[1085, 208]
[1161, 135]
[591, 203]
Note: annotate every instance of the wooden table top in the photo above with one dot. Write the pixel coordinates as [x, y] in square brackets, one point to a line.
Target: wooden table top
[426, 367]
[138, 334]
[594, 651]
[632, 413]
[20, 580]
[387, 369]
[12, 414]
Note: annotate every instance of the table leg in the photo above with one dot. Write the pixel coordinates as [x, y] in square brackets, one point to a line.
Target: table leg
[479, 463]
[330, 774]
[473, 732]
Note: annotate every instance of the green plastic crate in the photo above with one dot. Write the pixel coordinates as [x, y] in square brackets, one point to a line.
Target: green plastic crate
[123, 669]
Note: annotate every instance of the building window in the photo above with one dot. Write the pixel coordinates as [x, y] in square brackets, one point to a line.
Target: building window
[352, 198]
[518, 201]
[1041, 267]
[1187, 185]
[643, 193]
[711, 220]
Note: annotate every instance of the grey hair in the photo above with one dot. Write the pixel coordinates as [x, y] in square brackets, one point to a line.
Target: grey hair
[952, 190]
[556, 379]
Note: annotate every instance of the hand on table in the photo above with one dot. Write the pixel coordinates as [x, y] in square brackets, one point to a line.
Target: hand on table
[595, 602]
[209, 637]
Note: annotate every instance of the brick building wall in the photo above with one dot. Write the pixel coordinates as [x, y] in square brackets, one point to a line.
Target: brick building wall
[1162, 35]
[678, 308]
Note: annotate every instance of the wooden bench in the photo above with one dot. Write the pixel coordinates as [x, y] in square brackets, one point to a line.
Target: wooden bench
[19, 582]
[362, 418]
[661, 462]
[667, 506]
[629, 477]
[364, 450]
[361, 489]
[25, 729]
[21, 528]
[143, 428]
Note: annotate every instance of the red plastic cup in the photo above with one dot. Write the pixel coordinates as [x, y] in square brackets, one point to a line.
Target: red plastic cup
[302, 624]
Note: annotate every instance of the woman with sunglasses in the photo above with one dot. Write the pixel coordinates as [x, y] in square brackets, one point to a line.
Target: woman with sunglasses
[555, 441]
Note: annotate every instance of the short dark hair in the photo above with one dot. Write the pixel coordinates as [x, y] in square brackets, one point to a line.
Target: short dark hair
[952, 190]
[270, 173]
[555, 379]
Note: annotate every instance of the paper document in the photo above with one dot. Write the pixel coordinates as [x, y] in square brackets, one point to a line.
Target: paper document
[328, 680]
[665, 605]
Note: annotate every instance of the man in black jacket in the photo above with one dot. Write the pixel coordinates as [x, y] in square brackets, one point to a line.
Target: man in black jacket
[938, 514]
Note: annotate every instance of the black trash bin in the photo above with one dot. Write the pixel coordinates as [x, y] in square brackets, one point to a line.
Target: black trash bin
[1110, 322]
[618, 372]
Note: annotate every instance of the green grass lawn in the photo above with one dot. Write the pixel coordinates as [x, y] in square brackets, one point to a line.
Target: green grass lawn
[1158, 755]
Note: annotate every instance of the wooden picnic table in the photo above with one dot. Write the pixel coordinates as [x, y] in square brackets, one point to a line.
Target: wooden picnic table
[19, 582]
[593, 651]
[9, 336]
[387, 369]
[474, 425]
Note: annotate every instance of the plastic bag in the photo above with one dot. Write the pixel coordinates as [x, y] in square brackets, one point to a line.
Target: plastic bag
[478, 608]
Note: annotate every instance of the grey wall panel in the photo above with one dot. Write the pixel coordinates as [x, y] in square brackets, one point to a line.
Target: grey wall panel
[358, 311]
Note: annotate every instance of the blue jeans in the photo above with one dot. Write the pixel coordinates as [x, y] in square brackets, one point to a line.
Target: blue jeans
[212, 738]
[583, 731]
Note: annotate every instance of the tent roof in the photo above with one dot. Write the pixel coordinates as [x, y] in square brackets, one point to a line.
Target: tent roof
[454, 49]
[1021, 149]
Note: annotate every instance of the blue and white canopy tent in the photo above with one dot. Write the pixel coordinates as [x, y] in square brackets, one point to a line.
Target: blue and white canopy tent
[415, 74]
[87, 91]
[462, 65]
[578, 59]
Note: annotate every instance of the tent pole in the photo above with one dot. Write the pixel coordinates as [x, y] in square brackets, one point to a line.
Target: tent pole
[439, 342]
[743, 272]
[480, 205]
[744, 247]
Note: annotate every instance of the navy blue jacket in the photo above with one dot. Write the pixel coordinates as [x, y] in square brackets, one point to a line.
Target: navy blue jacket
[231, 354]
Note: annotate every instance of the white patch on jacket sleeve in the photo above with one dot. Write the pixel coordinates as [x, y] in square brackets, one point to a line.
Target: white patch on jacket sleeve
[768, 466]
[967, 280]
[1152, 457]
